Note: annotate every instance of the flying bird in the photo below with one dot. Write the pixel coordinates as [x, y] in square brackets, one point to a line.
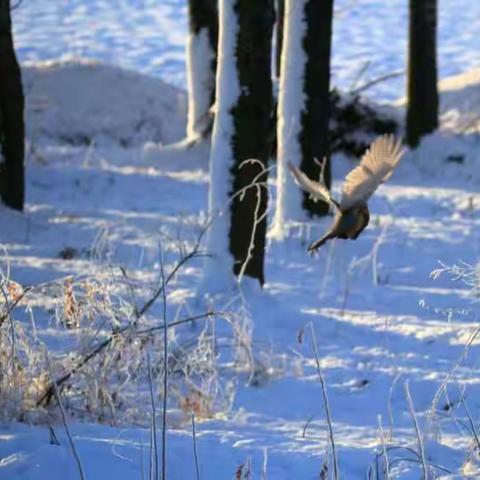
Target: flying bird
[351, 213]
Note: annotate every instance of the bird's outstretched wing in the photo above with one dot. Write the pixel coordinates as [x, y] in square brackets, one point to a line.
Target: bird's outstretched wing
[317, 190]
[376, 167]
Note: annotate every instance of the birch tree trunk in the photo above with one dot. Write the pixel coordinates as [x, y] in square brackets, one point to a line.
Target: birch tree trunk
[303, 107]
[238, 195]
[201, 65]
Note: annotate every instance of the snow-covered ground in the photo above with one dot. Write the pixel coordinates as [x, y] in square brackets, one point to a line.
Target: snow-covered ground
[380, 319]
[373, 334]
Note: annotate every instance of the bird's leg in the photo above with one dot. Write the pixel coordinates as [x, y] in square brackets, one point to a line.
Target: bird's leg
[317, 244]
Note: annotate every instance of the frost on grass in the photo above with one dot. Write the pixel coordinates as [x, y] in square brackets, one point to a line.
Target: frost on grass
[112, 322]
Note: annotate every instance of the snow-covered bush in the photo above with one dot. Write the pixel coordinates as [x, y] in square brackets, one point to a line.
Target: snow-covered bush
[355, 122]
[23, 374]
[113, 323]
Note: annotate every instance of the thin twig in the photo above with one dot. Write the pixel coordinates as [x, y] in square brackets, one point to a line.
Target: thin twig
[398, 460]
[416, 460]
[141, 459]
[457, 365]
[326, 404]
[389, 406]
[12, 305]
[64, 418]
[264, 465]
[473, 428]
[153, 439]
[257, 217]
[346, 290]
[165, 369]
[195, 454]
[12, 330]
[14, 7]
[305, 427]
[360, 73]
[136, 313]
[421, 447]
[195, 252]
[377, 80]
[384, 448]
[182, 321]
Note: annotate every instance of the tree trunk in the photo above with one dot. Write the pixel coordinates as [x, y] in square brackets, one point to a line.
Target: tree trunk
[12, 127]
[201, 65]
[304, 106]
[252, 139]
[241, 132]
[316, 115]
[280, 4]
[422, 108]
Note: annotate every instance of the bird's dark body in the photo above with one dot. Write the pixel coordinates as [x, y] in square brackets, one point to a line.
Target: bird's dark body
[348, 224]
[351, 212]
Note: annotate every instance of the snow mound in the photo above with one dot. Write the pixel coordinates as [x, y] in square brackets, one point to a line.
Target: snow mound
[460, 102]
[459, 82]
[81, 101]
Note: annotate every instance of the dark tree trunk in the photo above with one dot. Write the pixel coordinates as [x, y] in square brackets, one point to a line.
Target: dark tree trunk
[12, 128]
[280, 4]
[314, 138]
[422, 108]
[280, 19]
[203, 16]
[252, 138]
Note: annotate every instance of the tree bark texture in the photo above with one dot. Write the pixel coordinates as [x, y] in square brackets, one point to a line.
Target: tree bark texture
[12, 127]
[422, 89]
[314, 134]
[252, 136]
[280, 18]
[203, 20]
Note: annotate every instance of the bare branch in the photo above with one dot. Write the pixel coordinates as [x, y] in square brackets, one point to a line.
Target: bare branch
[165, 369]
[326, 404]
[64, 418]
